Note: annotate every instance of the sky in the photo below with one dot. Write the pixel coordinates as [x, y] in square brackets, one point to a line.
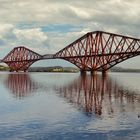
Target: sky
[46, 26]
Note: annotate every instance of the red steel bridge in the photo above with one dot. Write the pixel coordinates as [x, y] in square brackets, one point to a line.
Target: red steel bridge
[93, 51]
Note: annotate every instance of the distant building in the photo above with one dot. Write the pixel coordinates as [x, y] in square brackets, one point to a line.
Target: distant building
[57, 69]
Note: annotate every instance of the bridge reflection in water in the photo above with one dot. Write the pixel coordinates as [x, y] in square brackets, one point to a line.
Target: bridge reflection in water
[20, 84]
[99, 95]
[91, 94]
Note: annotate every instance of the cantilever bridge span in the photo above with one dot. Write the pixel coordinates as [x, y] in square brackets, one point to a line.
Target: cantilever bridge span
[92, 52]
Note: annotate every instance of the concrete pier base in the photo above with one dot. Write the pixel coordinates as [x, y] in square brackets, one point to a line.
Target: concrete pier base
[93, 72]
[83, 72]
[104, 73]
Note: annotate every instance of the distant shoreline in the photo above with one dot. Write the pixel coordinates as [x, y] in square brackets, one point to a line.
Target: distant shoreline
[56, 69]
[126, 70]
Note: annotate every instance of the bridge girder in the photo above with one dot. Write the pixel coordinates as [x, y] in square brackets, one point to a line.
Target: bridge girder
[100, 50]
[20, 58]
[94, 51]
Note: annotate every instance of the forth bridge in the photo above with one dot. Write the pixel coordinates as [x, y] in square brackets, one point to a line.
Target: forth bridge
[94, 51]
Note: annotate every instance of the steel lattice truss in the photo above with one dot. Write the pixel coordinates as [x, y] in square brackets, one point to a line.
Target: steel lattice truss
[94, 51]
[20, 58]
[100, 50]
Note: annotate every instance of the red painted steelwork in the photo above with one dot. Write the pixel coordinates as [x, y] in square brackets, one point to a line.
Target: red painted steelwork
[20, 58]
[94, 51]
[100, 50]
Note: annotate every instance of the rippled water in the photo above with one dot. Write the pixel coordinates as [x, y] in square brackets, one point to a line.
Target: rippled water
[56, 106]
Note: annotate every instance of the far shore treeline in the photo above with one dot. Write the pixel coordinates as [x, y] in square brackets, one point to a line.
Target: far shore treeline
[67, 69]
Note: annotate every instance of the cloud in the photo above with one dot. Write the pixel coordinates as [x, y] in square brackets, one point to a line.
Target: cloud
[119, 14]
[5, 32]
[29, 22]
[11, 36]
[40, 12]
[35, 36]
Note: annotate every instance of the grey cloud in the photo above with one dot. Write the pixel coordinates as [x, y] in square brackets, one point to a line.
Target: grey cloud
[119, 16]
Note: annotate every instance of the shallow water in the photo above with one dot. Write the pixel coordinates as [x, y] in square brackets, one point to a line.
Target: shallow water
[57, 106]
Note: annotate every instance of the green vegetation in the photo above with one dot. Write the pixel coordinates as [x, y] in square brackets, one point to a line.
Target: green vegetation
[68, 69]
[4, 68]
[53, 69]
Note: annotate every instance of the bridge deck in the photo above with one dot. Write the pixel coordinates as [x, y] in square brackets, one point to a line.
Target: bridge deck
[48, 56]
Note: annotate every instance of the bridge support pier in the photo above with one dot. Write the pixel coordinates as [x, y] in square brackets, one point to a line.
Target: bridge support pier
[93, 72]
[104, 73]
[25, 70]
[83, 72]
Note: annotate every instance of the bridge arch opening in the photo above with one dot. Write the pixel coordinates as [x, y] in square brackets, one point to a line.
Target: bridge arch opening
[52, 63]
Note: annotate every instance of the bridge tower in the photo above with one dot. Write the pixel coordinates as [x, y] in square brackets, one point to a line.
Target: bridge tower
[20, 58]
[99, 51]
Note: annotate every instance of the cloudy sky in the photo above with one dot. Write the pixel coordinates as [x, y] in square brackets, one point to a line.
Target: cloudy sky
[47, 26]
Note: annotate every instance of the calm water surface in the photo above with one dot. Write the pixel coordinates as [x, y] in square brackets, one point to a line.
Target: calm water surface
[56, 106]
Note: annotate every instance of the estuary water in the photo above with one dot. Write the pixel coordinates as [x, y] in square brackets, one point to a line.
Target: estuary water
[68, 106]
